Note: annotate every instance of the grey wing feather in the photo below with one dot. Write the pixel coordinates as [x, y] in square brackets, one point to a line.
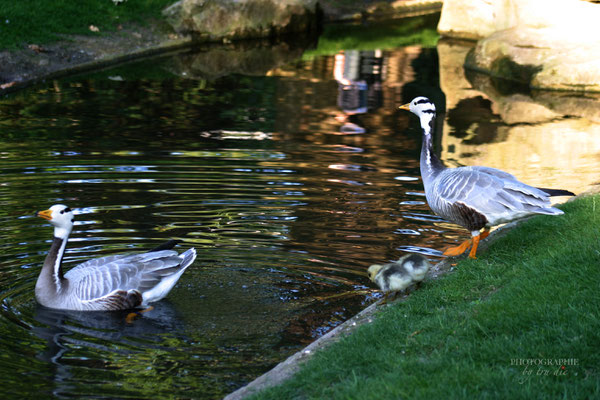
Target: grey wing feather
[490, 191]
[471, 188]
[494, 172]
[102, 260]
[97, 278]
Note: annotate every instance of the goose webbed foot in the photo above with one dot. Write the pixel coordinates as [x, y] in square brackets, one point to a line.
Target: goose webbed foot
[133, 315]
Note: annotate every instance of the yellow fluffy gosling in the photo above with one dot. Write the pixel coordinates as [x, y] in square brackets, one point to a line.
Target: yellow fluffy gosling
[399, 275]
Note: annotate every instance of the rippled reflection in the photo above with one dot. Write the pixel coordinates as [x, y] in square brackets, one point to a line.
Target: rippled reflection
[288, 185]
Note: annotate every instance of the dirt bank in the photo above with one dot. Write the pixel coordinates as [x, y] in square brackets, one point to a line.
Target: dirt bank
[80, 53]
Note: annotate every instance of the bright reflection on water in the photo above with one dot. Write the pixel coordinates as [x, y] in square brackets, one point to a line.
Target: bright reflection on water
[289, 185]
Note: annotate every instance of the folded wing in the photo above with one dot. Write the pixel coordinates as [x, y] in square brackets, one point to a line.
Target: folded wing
[98, 278]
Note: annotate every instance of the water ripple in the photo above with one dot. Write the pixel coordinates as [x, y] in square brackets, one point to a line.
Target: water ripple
[286, 201]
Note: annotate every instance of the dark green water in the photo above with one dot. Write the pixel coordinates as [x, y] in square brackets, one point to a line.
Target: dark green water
[289, 185]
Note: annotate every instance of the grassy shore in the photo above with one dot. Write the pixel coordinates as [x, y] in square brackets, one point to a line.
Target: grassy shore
[487, 330]
[42, 21]
[420, 30]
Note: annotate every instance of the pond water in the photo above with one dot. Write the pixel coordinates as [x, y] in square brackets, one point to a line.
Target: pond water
[289, 183]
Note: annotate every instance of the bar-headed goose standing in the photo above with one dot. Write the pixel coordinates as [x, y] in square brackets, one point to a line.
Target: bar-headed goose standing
[474, 197]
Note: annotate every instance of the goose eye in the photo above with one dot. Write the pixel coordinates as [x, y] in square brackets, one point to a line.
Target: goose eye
[65, 210]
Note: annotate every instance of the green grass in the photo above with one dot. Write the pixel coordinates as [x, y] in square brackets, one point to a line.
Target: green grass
[420, 30]
[42, 21]
[532, 295]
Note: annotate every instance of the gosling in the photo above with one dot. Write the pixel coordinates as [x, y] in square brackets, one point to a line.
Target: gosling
[399, 275]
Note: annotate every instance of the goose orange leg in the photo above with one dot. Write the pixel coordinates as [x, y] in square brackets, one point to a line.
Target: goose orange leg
[458, 250]
[474, 241]
[484, 234]
[474, 248]
[133, 315]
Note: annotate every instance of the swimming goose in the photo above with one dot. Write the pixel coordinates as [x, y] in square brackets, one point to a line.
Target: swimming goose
[474, 197]
[116, 282]
[399, 275]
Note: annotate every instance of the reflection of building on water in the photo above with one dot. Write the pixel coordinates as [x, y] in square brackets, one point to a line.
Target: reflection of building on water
[359, 74]
[387, 88]
[359, 77]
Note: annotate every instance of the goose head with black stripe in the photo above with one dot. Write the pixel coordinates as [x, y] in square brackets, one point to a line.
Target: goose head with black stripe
[115, 282]
[474, 197]
[430, 164]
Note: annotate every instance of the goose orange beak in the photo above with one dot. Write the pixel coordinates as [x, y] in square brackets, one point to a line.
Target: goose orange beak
[405, 107]
[46, 214]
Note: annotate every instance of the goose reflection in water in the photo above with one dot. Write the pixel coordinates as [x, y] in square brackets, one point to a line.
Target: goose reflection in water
[62, 328]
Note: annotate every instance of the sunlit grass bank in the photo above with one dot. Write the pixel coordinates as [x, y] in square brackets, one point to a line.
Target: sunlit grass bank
[522, 321]
[42, 21]
[374, 35]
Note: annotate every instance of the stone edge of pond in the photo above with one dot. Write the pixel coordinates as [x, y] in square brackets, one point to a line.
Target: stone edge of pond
[287, 368]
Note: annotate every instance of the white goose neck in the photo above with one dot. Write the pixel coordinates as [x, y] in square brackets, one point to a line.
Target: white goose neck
[426, 123]
[62, 232]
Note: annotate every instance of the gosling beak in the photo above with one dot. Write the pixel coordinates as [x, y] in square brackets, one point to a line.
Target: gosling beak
[405, 107]
[46, 214]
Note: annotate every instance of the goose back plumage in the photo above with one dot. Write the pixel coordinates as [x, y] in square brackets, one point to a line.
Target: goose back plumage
[98, 278]
[475, 197]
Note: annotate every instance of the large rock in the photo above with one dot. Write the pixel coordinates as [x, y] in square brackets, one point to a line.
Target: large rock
[468, 19]
[242, 19]
[477, 19]
[544, 44]
[543, 58]
[545, 138]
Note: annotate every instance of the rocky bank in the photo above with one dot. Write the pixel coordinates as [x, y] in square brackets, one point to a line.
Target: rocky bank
[545, 44]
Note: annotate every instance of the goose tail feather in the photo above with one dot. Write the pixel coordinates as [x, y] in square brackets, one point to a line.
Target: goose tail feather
[556, 192]
[549, 211]
[188, 257]
[165, 246]
[165, 285]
